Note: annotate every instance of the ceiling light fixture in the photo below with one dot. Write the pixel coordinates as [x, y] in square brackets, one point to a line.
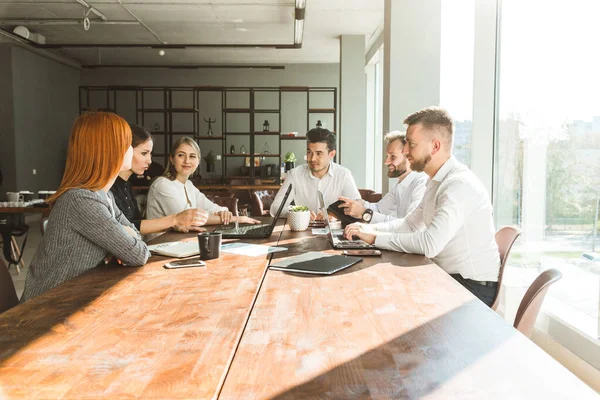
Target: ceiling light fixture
[161, 53]
[299, 13]
[298, 31]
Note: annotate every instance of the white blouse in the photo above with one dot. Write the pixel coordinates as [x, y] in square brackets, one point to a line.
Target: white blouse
[168, 197]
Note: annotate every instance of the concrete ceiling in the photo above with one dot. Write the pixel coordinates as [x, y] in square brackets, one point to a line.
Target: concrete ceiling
[199, 22]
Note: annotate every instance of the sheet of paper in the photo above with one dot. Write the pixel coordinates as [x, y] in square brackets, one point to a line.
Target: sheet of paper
[248, 249]
[319, 231]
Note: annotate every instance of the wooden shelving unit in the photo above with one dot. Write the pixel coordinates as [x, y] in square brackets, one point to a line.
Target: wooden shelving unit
[172, 112]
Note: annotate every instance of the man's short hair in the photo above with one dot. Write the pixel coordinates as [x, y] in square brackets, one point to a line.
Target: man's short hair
[395, 135]
[321, 135]
[431, 118]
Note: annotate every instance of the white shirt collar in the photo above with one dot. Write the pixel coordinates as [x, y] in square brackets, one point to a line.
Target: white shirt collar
[330, 172]
[445, 169]
[409, 178]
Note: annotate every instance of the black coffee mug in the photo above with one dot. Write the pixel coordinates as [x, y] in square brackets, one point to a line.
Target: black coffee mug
[210, 245]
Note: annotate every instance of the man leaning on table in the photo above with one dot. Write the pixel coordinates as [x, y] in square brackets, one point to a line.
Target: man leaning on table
[453, 224]
[319, 174]
[404, 197]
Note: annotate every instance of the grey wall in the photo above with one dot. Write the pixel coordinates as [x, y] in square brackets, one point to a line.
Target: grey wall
[292, 75]
[44, 104]
[293, 104]
[7, 139]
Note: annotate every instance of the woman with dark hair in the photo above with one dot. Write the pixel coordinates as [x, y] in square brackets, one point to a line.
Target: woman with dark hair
[185, 221]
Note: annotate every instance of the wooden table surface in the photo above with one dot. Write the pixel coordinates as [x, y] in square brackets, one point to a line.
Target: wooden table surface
[128, 332]
[390, 327]
[224, 187]
[394, 326]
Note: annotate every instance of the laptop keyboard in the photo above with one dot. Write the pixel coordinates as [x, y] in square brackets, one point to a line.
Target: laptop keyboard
[258, 229]
[355, 242]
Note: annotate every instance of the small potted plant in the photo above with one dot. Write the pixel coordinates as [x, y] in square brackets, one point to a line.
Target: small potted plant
[210, 162]
[298, 218]
[290, 161]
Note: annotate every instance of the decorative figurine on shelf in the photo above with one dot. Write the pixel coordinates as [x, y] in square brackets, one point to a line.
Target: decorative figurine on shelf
[265, 149]
[210, 162]
[266, 126]
[232, 149]
[156, 126]
[243, 149]
[319, 124]
[210, 121]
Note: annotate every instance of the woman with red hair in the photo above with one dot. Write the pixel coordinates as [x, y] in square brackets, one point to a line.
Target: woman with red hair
[85, 226]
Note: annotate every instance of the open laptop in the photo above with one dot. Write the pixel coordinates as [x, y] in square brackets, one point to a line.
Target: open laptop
[259, 231]
[336, 236]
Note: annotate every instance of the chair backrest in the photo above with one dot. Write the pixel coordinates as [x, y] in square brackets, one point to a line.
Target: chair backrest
[43, 225]
[230, 202]
[505, 238]
[8, 294]
[364, 193]
[261, 202]
[533, 299]
[374, 197]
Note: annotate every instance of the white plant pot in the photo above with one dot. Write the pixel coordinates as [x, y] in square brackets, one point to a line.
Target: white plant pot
[298, 220]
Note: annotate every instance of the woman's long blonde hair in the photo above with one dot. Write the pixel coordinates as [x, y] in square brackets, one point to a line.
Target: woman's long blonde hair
[97, 147]
[170, 172]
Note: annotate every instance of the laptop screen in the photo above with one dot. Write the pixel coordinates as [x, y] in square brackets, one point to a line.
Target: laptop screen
[323, 209]
[278, 213]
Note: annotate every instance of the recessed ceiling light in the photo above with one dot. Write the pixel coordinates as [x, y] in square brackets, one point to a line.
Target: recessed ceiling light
[238, 20]
[241, 29]
[161, 52]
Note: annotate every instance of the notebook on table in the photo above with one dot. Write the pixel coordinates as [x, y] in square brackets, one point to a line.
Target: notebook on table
[336, 236]
[248, 231]
[176, 249]
[315, 262]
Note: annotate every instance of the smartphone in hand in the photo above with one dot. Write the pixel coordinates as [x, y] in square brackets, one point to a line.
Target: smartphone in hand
[365, 252]
[190, 262]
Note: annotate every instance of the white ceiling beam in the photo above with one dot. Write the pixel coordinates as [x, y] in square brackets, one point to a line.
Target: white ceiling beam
[53, 21]
[143, 24]
[92, 9]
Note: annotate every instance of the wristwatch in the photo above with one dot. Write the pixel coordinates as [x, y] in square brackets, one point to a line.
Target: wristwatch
[367, 215]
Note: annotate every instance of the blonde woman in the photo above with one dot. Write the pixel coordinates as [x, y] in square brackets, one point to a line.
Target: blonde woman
[184, 221]
[174, 192]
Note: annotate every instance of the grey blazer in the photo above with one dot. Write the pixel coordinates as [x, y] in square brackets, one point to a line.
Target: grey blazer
[84, 227]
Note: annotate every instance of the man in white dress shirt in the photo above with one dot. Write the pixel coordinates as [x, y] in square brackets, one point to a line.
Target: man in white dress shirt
[453, 225]
[404, 197]
[320, 174]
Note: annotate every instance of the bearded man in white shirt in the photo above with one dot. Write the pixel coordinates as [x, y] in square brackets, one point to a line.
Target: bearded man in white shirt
[404, 197]
[320, 174]
[453, 225]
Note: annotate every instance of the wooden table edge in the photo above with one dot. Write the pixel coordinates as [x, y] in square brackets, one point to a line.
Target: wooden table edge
[238, 339]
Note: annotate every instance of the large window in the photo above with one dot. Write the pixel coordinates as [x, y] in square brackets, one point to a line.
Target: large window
[547, 172]
[456, 71]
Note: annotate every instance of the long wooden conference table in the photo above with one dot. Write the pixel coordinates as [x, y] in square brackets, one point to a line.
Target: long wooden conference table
[395, 326]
